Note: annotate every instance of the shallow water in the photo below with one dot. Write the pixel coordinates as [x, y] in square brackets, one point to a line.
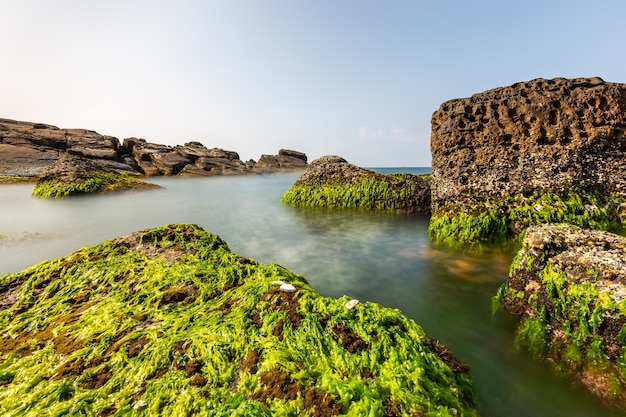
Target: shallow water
[379, 257]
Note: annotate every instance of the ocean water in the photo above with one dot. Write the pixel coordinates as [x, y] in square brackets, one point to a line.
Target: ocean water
[378, 257]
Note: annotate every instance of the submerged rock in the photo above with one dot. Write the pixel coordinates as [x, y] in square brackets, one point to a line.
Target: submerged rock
[568, 286]
[72, 175]
[169, 321]
[534, 152]
[330, 181]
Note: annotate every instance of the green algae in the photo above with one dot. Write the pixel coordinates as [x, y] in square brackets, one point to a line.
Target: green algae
[88, 182]
[501, 222]
[570, 320]
[169, 321]
[402, 192]
[16, 179]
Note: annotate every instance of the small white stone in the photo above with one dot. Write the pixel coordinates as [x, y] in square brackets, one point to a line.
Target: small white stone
[287, 288]
[140, 404]
[277, 282]
[352, 303]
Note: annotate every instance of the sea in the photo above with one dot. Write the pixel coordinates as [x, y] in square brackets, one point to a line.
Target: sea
[378, 257]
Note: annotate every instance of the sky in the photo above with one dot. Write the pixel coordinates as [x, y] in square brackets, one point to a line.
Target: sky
[355, 78]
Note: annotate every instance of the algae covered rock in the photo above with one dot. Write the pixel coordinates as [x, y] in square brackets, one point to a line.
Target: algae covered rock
[568, 285]
[330, 181]
[169, 321]
[76, 175]
[541, 151]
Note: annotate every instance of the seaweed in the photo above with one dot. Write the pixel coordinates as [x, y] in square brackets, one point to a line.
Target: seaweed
[393, 192]
[169, 321]
[87, 182]
[500, 222]
[568, 317]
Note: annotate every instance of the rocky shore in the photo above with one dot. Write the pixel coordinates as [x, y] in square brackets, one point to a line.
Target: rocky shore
[169, 321]
[28, 149]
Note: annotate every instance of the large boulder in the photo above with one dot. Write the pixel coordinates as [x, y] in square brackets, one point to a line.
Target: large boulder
[568, 286]
[168, 321]
[27, 149]
[536, 151]
[331, 181]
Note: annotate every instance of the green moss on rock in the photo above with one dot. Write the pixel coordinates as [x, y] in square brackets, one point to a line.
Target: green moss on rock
[568, 287]
[16, 179]
[87, 182]
[169, 321]
[502, 221]
[332, 182]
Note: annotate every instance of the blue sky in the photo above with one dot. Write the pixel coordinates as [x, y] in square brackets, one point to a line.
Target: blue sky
[359, 79]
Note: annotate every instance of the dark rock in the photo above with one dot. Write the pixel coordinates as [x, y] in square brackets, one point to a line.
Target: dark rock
[285, 160]
[169, 163]
[557, 136]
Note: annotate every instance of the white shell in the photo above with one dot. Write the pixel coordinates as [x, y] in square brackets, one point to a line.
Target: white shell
[287, 288]
[277, 282]
[351, 303]
[140, 404]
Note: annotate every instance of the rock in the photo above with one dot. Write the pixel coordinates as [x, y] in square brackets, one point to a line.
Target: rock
[508, 146]
[568, 286]
[171, 318]
[292, 154]
[286, 160]
[27, 149]
[72, 174]
[331, 181]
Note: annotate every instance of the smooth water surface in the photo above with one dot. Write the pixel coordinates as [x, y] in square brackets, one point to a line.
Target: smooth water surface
[379, 257]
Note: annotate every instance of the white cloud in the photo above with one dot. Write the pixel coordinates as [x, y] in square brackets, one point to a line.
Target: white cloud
[366, 133]
[395, 133]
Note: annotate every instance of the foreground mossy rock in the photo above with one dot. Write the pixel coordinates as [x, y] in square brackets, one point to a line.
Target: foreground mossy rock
[534, 152]
[75, 175]
[330, 181]
[169, 321]
[568, 285]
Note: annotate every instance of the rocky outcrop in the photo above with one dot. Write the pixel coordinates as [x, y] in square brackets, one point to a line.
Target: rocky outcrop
[72, 174]
[331, 181]
[286, 159]
[566, 137]
[168, 321]
[568, 286]
[27, 149]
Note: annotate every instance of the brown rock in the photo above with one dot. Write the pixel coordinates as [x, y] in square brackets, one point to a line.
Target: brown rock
[535, 135]
[567, 284]
[284, 161]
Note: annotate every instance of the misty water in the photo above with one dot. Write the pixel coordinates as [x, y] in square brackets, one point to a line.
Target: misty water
[378, 257]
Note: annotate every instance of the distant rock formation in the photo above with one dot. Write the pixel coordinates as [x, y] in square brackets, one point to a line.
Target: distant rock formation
[27, 149]
[562, 136]
[568, 285]
[331, 181]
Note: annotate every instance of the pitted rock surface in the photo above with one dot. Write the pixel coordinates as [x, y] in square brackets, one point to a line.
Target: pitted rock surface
[535, 135]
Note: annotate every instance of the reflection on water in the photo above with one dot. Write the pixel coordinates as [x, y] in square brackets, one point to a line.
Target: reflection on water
[378, 257]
